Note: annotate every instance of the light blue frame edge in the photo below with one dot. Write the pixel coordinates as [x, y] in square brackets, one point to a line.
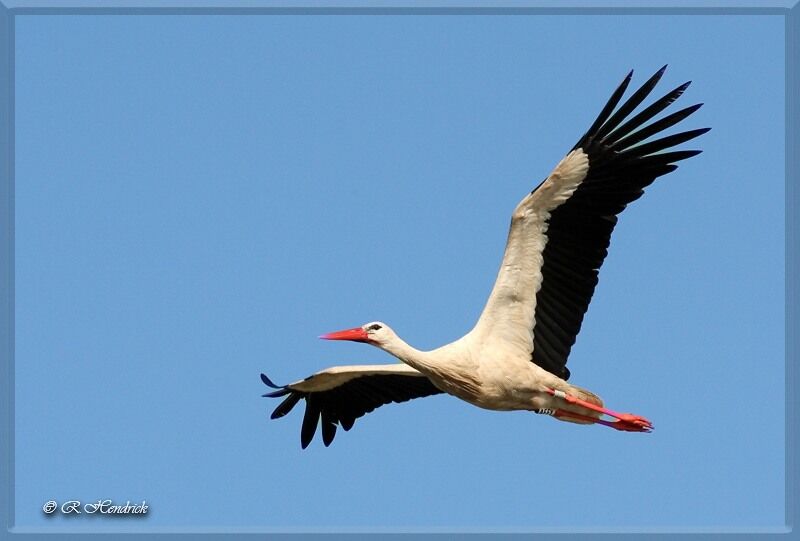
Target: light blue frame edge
[7, 265]
[789, 8]
[791, 255]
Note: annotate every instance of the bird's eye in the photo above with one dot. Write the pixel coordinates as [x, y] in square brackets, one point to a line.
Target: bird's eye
[374, 327]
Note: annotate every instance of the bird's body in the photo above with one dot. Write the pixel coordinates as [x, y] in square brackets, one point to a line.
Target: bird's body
[515, 356]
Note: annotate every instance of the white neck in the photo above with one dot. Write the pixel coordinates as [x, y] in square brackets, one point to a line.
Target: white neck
[413, 357]
[448, 367]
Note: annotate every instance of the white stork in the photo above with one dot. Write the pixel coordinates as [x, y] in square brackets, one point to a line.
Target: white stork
[515, 357]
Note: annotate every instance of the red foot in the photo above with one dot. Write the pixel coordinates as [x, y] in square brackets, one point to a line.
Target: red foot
[632, 423]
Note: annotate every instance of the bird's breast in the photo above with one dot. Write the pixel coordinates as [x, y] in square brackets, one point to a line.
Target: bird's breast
[495, 386]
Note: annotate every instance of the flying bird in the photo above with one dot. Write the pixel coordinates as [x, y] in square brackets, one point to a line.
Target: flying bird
[515, 356]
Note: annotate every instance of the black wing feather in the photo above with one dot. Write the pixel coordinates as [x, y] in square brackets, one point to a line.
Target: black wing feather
[342, 405]
[310, 420]
[579, 230]
[285, 406]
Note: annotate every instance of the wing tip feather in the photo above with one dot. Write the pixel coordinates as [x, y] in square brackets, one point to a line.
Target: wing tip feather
[268, 382]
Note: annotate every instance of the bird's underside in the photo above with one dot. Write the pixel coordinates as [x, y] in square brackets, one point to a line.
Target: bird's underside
[515, 357]
[339, 395]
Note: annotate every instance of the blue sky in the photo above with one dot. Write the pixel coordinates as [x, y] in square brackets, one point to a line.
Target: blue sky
[198, 198]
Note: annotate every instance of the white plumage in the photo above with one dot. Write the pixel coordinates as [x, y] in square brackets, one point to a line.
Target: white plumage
[515, 357]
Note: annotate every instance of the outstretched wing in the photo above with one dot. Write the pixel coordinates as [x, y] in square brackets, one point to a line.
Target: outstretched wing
[341, 394]
[560, 232]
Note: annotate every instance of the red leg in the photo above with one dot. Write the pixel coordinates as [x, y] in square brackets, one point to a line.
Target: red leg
[626, 418]
[616, 425]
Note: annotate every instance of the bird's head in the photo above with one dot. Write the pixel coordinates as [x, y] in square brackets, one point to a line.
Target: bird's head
[375, 333]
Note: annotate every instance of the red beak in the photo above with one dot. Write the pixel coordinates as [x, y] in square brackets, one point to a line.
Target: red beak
[356, 334]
